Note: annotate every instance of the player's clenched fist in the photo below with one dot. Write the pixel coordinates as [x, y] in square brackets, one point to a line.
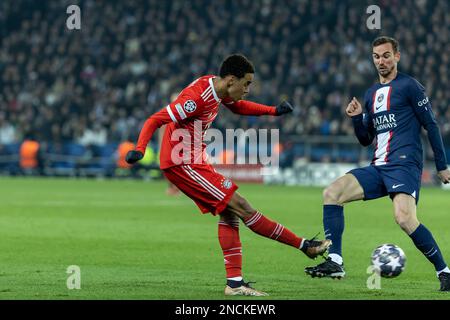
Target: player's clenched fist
[354, 108]
[283, 108]
[133, 156]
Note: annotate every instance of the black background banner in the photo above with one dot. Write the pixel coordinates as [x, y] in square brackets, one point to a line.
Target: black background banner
[220, 309]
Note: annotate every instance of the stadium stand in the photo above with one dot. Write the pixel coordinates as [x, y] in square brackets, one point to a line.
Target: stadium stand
[83, 92]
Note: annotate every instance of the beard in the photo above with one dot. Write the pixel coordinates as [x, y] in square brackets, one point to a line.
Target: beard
[385, 72]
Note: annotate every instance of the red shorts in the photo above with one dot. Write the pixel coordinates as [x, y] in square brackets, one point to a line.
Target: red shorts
[210, 190]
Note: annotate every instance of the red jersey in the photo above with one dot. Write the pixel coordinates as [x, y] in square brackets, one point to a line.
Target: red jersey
[189, 116]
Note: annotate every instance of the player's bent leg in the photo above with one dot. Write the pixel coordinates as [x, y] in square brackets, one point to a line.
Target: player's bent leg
[406, 217]
[239, 206]
[263, 226]
[345, 189]
[405, 212]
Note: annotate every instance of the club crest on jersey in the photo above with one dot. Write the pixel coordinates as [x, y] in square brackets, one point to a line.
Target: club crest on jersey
[380, 97]
[226, 183]
[190, 106]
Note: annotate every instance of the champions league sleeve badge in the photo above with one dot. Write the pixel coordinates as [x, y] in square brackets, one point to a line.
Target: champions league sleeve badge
[190, 106]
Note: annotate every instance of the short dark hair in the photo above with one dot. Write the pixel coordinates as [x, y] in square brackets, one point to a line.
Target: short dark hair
[385, 39]
[236, 65]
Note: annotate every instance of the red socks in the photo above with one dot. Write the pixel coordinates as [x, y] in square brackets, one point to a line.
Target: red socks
[273, 230]
[231, 247]
[231, 244]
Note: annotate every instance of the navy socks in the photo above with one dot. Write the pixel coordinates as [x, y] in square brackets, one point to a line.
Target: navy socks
[424, 241]
[333, 224]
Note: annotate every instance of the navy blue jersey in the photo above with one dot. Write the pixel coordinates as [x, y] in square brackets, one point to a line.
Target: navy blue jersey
[394, 113]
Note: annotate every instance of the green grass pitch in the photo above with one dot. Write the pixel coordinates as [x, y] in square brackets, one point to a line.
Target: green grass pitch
[131, 241]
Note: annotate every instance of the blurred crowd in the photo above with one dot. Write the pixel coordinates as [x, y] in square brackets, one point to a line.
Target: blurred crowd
[100, 83]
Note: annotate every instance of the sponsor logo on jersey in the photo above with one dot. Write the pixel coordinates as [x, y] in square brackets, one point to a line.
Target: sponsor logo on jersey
[423, 102]
[190, 106]
[385, 122]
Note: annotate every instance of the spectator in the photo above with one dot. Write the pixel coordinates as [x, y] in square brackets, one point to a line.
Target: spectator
[129, 57]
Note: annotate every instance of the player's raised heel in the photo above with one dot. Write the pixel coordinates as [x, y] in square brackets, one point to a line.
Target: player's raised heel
[313, 248]
[244, 290]
[444, 278]
[328, 268]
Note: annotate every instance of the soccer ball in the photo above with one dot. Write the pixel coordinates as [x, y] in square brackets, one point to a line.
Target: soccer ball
[388, 260]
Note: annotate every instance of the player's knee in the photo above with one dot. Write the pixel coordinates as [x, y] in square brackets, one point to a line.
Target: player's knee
[246, 207]
[242, 206]
[227, 216]
[401, 221]
[404, 219]
[331, 195]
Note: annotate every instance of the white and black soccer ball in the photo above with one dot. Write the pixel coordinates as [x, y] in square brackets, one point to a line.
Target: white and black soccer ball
[388, 260]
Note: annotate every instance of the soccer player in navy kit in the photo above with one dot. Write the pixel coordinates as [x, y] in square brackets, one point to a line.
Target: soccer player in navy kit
[395, 110]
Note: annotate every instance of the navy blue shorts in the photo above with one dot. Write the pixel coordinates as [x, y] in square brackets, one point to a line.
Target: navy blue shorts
[380, 181]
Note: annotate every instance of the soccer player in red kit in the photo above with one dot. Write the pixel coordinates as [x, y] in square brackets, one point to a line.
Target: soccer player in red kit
[188, 117]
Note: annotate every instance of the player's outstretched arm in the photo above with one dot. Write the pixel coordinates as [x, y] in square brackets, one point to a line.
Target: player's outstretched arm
[151, 124]
[363, 129]
[249, 108]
